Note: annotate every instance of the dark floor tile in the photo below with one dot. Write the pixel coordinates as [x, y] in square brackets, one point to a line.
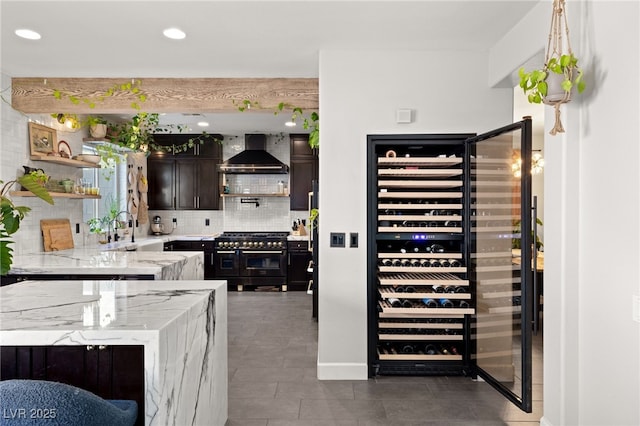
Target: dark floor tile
[313, 423]
[428, 410]
[315, 390]
[268, 374]
[263, 408]
[238, 389]
[391, 390]
[341, 409]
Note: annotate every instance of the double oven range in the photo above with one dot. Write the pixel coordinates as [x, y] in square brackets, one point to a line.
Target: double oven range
[252, 259]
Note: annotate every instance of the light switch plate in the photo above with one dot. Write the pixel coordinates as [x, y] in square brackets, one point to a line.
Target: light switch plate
[336, 239]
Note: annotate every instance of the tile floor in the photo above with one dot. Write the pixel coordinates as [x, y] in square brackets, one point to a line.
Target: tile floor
[272, 378]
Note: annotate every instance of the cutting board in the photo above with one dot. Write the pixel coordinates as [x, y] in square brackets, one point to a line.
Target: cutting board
[56, 234]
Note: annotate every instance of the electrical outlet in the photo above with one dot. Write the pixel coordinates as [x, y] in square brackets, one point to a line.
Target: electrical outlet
[77, 228]
[175, 223]
[206, 222]
[353, 239]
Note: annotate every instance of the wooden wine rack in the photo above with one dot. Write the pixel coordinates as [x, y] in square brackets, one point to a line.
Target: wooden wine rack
[421, 195]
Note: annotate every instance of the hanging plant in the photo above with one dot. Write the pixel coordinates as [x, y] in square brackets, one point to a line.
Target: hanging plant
[560, 74]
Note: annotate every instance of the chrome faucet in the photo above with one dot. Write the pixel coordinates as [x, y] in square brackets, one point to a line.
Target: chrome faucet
[116, 237]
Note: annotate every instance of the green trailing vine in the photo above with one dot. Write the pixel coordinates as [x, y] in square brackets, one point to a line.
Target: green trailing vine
[132, 87]
[311, 122]
[11, 215]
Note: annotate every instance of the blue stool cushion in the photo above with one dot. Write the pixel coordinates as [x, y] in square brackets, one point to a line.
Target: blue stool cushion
[38, 402]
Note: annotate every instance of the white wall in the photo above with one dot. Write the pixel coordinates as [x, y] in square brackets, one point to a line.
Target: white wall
[360, 92]
[591, 343]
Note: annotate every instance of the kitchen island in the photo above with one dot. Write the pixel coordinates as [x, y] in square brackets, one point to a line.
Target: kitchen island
[85, 263]
[182, 331]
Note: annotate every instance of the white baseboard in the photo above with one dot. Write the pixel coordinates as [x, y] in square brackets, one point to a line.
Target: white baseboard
[342, 371]
[545, 422]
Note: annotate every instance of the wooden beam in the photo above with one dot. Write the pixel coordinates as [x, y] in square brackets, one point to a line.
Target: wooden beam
[35, 95]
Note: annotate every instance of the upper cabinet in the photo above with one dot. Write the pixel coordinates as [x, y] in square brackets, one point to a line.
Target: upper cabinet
[303, 170]
[186, 180]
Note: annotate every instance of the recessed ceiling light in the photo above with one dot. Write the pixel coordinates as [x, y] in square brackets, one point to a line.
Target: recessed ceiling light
[28, 34]
[203, 124]
[290, 124]
[174, 33]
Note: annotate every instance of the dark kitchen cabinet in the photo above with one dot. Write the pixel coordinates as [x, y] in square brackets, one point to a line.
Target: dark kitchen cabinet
[298, 260]
[303, 169]
[162, 192]
[187, 180]
[204, 246]
[111, 372]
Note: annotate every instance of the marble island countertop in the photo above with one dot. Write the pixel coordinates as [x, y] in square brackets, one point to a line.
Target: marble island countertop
[89, 261]
[183, 331]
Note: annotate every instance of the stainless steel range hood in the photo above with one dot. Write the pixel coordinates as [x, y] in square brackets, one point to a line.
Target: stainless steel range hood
[254, 159]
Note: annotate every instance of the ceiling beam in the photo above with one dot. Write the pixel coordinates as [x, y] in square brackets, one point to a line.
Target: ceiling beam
[171, 95]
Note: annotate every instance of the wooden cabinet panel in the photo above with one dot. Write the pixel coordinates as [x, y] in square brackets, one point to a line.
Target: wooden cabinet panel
[299, 257]
[185, 181]
[113, 372]
[161, 193]
[303, 170]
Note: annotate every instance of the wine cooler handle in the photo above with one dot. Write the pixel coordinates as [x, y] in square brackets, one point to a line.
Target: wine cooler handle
[534, 255]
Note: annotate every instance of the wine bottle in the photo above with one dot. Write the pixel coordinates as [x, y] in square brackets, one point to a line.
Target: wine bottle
[451, 224]
[446, 303]
[437, 248]
[425, 263]
[395, 303]
[416, 263]
[405, 262]
[386, 262]
[410, 289]
[407, 349]
[453, 350]
[406, 303]
[454, 263]
[444, 350]
[410, 247]
[461, 289]
[463, 304]
[430, 303]
[435, 263]
[444, 263]
[438, 288]
[398, 289]
[430, 349]
[450, 289]
[397, 262]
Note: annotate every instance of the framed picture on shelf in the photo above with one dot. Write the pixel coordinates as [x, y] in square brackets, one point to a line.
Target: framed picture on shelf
[42, 140]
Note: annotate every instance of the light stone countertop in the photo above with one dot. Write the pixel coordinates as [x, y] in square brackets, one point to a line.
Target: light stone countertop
[183, 330]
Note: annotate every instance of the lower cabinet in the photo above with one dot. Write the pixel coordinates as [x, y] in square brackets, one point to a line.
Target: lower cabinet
[205, 246]
[111, 372]
[298, 262]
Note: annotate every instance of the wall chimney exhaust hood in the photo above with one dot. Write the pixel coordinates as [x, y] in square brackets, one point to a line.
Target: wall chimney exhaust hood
[254, 159]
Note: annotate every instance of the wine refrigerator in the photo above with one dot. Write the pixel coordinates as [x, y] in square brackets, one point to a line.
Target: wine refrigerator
[449, 249]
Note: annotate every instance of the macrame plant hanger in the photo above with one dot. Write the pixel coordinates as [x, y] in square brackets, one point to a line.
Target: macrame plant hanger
[555, 47]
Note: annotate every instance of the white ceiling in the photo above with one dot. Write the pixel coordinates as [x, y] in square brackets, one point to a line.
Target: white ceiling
[234, 38]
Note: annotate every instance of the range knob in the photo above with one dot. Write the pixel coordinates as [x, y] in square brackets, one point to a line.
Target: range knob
[269, 243]
[261, 244]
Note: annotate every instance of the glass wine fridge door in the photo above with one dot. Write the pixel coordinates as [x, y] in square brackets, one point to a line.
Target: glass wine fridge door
[500, 257]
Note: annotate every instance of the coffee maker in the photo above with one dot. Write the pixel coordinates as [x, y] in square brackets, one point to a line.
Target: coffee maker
[157, 228]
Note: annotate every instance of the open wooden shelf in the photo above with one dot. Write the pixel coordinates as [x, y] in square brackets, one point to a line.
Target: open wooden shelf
[424, 206]
[409, 269]
[425, 229]
[65, 161]
[412, 278]
[419, 357]
[427, 184]
[420, 172]
[54, 195]
[421, 337]
[420, 195]
[387, 294]
[420, 161]
[419, 255]
[421, 325]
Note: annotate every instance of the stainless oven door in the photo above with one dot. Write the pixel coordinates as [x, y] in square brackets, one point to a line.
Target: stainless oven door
[263, 263]
[226, 263]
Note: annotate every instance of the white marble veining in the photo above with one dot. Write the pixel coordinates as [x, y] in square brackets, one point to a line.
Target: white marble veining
[183, 330]
[161, 265]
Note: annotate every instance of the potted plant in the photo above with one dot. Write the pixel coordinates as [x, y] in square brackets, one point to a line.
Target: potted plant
[97, 127]
[11, 215]
[554, 81]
